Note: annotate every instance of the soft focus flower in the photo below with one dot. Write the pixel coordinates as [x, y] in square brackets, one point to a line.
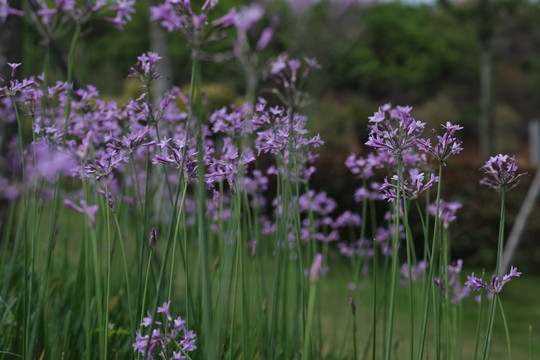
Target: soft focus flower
[495, 286]
[88, 210]
[500, 173]
[416, 272]
[6, 10]
[454, 289]
[447, 211]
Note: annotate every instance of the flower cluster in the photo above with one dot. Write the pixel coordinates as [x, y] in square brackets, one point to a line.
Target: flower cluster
[500, 173]
[416, 272]
[170, 339]
[412, 190]
[453, 289]
[446, 145]
[394, 129]
[447, 211]
[496, 284]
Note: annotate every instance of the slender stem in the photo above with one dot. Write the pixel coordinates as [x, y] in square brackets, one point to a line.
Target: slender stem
[393, 281]
[311, 308]
[431, 275]
[71, 58]
[505, 328]
[126, 273]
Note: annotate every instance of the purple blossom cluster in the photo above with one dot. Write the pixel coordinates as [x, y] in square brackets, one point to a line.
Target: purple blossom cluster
[412, 187]
[50, 14]
[500, 173]
[453, 289]
[446, 145]
[447, 211]
[394, 129]
[169, 340]
[416, 271]
[496, 284]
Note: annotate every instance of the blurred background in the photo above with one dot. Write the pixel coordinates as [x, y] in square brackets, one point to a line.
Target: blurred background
[471, 62]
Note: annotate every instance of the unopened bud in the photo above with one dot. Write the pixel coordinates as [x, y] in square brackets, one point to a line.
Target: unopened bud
[153, 237]
[353, 306]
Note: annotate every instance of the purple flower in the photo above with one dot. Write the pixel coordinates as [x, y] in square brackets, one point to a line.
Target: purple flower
[170, 339]
[495, 286]
[348, 219]
[412, 189]
[88, 210]
[416, 271]
[394, 129]
[146, 69]
[454, 289]
[361, 167]
[500, 173]
[447, 211]
[446, 145]
[104, 165]
[6, 10]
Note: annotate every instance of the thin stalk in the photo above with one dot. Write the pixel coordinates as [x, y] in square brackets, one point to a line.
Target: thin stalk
[375, 318]
[107, 271]
[71, 58]
[176, 230]
[491, 320]
[409, 264]
[311, 308]
[393, 281]
[479, 324]
[505, 329]
[432, 267]
[126, 273]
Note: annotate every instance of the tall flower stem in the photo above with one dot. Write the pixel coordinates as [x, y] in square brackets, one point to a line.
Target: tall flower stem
[505, 329]
[409, 263]
[487, 343]
[71, 58]
[393, 281]
[431, 275]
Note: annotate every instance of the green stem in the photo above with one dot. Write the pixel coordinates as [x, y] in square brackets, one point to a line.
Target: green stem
[505, 329]
[71, 58]
[393, 281]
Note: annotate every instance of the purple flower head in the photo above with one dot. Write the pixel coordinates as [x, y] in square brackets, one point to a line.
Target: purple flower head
[447, 211]
[348, 219]
[169, 340]
[88, 210]
[123, 9]
[413, 186]
[446, 145]
[495, 286]
[6, 10]
[285, 73]
[105, 164]
[361, 167]
[394, 130]
[146, 69]
[130, 142]
[454, 289]
[500, 173]
[416, 272]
